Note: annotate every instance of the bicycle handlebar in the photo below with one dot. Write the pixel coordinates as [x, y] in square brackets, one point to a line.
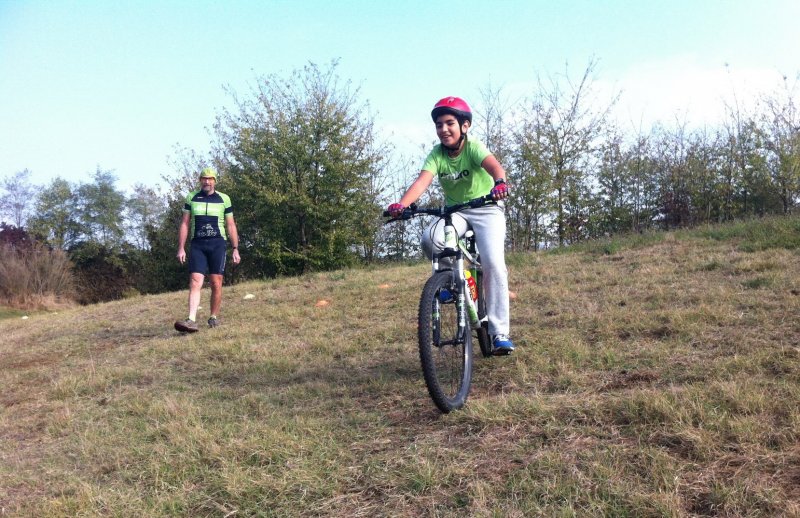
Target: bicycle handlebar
[441, 211]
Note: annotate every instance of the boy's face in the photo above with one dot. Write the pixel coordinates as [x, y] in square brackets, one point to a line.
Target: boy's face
[448, 130]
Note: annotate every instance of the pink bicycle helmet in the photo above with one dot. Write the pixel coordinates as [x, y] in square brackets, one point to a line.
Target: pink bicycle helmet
[455, 106]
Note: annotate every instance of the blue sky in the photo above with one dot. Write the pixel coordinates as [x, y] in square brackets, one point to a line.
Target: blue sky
[118, 84]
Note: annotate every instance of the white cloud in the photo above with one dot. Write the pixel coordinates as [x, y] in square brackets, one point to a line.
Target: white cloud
[683, 89]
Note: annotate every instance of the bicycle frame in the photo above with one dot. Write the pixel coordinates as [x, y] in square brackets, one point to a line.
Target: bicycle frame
[452, 248]
[456, 248]
[445, 344]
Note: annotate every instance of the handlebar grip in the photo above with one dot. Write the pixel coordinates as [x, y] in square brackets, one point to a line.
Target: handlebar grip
[408, 212]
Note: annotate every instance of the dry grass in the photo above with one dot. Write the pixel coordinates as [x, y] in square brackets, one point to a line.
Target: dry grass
[35, 278]
[657, 378]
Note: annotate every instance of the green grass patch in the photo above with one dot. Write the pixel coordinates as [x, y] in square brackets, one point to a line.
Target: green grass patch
[758, 234]
[758, 282]
[656, 375]
[6, 312]
[612, 245]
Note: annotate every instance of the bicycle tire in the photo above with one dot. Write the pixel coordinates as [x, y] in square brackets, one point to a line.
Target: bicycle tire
[446, 357]
[484, 340]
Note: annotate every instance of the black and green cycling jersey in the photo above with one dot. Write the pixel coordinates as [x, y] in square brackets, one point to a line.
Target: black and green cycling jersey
[208, 214]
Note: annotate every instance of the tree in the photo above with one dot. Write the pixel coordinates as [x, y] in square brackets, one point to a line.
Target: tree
[19, 197]
[703, 185]
[614, 183]
[101, 208]
[643, 182]
[492, 124]
[155, 268]
[744, 180]
[401, 240]
[531, 205]
[144, 210]
[15, 237]
[299, 159]
[55, 217]
[781, 125]
[671, 149]
[561, 137]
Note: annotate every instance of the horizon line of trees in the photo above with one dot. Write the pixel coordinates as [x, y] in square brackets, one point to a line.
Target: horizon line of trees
[309, 177]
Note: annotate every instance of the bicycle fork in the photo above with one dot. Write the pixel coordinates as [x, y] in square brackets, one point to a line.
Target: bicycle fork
[465, 305]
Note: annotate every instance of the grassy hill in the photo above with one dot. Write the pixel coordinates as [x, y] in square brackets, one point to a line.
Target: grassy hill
[656, 375]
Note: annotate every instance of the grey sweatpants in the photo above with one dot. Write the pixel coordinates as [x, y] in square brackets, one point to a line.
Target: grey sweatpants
[489, 225]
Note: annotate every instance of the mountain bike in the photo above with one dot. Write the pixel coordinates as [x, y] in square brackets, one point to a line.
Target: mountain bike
[451, 310]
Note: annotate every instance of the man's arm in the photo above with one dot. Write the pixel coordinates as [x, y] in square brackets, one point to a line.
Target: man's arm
[233, 237]
[183, 234]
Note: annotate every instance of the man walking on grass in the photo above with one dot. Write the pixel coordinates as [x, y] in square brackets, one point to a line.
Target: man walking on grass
[208, 217]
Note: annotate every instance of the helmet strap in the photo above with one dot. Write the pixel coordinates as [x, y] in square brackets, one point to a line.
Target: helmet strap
[460, 140]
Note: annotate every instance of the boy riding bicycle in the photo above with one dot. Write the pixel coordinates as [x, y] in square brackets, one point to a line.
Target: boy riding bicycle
[467, 170]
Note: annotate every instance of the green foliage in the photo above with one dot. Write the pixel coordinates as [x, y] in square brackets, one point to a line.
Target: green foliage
[301, 161]
[574, 176]
[108, 236]
[157, 270]
[300, 164]
[55, 219]
[557, 149]
[101, 209]
[100, 272]
[144, 211]
[67, 214]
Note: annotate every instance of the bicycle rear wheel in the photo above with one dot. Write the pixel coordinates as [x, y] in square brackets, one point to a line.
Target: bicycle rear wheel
[444, 350]
[483, 332]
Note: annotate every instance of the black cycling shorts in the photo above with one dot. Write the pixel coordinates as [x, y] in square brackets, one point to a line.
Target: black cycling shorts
[207, 256]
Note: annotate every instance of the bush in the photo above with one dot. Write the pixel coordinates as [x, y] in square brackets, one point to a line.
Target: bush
[34, 276]
[100, 273]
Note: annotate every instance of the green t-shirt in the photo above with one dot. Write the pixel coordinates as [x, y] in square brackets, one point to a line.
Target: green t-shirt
[462, 178]
[208, 214]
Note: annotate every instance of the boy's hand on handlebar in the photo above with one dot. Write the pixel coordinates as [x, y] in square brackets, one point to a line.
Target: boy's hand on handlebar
[395, 210]
[500, 190]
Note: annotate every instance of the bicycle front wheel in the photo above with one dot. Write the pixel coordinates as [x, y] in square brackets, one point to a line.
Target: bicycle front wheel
[444, 350]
